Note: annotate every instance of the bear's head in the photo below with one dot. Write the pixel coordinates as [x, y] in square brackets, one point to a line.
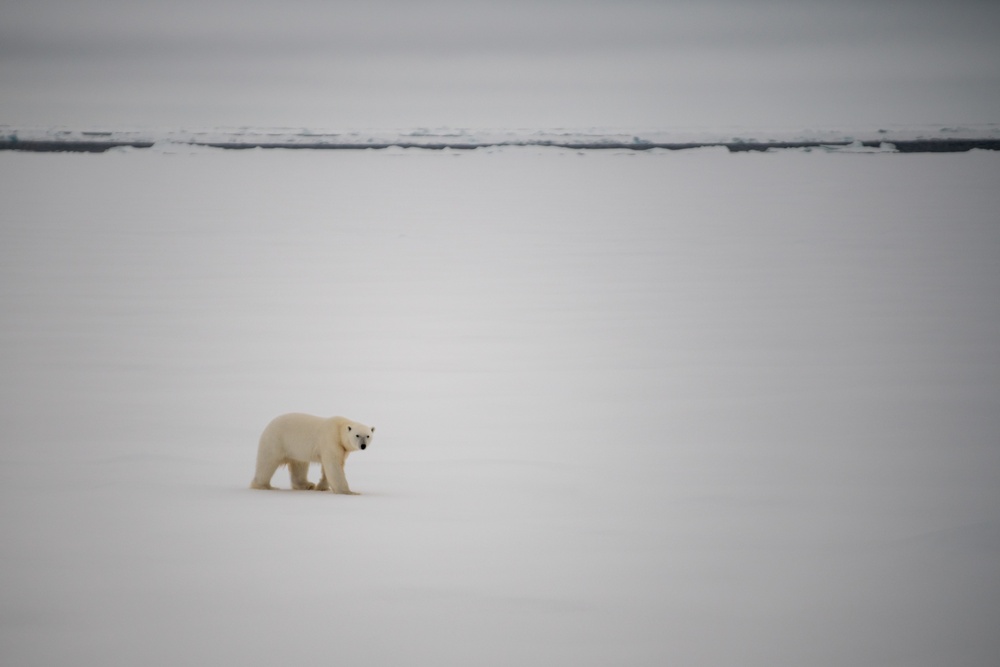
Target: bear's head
[355, 436]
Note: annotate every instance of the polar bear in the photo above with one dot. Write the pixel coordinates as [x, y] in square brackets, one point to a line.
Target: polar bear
[297, 440]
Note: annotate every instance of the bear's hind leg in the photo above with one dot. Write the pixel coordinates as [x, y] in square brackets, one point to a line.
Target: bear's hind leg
[299, 472]
[266, 467]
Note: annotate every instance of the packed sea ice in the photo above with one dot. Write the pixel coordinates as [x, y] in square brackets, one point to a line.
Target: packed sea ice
[633, 408]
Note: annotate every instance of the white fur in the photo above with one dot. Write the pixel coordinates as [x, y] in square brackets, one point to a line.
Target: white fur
[296, 440]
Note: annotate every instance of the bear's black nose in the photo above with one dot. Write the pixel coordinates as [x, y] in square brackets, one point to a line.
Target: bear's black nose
[363, 445]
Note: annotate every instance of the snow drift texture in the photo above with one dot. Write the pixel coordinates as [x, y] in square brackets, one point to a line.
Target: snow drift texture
[660, 409]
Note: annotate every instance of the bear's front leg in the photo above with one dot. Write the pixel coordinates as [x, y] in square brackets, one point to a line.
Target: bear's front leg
[333, 478]
[322, 485]
[299, 472]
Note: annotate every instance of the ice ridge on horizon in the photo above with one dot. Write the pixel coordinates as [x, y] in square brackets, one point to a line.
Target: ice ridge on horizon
[905, 139]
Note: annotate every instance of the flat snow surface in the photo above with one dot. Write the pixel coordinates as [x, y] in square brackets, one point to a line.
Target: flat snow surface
[685, 408]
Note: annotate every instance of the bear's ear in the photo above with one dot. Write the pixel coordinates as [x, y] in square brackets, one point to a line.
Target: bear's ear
[373, 429]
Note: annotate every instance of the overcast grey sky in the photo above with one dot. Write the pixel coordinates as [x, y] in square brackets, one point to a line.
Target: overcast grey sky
[518, 63]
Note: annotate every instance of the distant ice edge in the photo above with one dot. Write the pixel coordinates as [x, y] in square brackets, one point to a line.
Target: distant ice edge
[906, 139]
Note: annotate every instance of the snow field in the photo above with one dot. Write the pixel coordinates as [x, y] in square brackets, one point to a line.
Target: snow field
[682, 408]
